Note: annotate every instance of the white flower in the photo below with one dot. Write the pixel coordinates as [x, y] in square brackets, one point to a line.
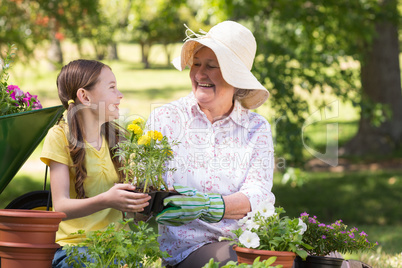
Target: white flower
[303, 225]
[242, 221]
[249, 239]
[250, 224]
[267, 209]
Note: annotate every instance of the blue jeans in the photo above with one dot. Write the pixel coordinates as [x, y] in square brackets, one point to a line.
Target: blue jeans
[60, 258]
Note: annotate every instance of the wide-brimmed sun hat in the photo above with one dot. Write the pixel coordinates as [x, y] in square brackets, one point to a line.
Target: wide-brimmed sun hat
[234, 46]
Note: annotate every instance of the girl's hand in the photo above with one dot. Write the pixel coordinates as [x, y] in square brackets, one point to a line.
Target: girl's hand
[121, 197]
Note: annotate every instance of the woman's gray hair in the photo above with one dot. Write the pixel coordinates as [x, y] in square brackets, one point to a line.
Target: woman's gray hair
[240, 93]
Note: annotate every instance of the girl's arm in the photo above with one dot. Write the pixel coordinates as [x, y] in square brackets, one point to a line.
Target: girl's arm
[117, 197]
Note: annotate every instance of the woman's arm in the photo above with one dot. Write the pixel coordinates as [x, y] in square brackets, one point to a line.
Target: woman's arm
[237, 206]
[117, 197]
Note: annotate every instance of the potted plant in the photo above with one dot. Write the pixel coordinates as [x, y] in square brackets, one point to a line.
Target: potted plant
[133, 245]
[144, 158]
[328, 238]
[265, 233]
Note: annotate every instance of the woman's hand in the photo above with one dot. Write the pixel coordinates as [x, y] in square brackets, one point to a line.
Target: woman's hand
[121, 197]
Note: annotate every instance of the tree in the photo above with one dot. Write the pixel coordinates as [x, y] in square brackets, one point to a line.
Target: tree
[156, 21]
[380, 126]
[20, 22]
[305, 46]
[114, 18]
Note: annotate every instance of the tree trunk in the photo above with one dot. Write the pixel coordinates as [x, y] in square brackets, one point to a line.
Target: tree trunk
[112, 51]
[168, 51]
[381, 83]
[145, 48]
[55, 55]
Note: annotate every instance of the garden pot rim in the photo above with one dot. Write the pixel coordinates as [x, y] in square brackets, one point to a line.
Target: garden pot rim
[28, 245]
[326, 257]
[257, 251]
[27, 213]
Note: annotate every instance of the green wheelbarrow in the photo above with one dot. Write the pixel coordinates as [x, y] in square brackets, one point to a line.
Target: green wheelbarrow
[20, 134]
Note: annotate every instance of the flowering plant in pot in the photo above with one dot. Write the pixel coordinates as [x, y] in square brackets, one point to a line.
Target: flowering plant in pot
[144, 158]
[12, 98]
[333, 237]
[133, 245]
[266, 231]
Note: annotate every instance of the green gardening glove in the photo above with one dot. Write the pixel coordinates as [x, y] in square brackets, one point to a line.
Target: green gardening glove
[191, 205]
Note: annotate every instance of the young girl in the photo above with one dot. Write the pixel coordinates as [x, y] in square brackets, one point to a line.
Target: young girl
[83, 174]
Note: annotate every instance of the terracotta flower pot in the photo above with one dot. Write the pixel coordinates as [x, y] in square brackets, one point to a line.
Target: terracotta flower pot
[318, 262]
[248, 255]
[27, 237]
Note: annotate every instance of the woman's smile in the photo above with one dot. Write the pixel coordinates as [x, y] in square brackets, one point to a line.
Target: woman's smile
[209, 87]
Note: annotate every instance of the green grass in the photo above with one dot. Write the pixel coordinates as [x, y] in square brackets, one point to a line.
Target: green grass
[362, 197]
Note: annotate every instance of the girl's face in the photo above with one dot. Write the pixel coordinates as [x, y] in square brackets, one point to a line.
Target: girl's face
[209, 87]
[106, 96]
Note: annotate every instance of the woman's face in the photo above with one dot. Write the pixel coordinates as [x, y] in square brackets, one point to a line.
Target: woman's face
[209, 87]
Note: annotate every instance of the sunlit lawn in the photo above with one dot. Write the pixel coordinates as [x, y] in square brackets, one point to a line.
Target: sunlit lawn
[368, 200]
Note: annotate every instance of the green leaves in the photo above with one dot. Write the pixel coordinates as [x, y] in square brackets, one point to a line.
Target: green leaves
[231, 264]
[136, 246]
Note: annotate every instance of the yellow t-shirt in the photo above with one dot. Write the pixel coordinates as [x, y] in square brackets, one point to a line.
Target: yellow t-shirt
[101, 176]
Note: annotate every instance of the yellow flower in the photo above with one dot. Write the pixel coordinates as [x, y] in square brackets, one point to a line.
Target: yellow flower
[144, 140]
[135, 128]
[156, 135]
[138, 121]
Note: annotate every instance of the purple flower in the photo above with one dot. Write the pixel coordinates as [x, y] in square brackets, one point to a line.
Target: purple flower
[304, 214]
[323, 237]
[352, 235]
[12, 95]
[363, 234]
[321, 225]
[36, 105]
[16, 90]
[12, 87]
[311, 220]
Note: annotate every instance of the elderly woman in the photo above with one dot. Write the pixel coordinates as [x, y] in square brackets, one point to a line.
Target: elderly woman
[224, 161]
